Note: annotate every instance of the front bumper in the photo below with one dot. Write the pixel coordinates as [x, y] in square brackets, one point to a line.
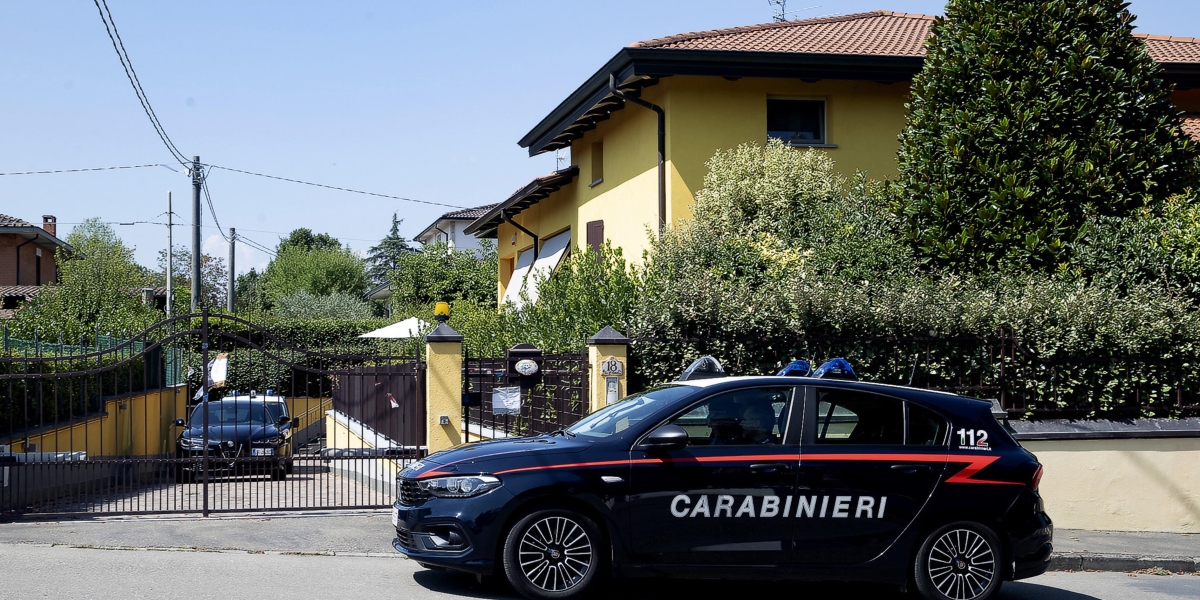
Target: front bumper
[455, 533]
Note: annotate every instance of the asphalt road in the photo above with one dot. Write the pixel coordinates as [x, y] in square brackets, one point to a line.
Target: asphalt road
[340, 555]
[46, 571]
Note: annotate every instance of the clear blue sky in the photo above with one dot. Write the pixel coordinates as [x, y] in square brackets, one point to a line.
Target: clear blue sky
[418, 99]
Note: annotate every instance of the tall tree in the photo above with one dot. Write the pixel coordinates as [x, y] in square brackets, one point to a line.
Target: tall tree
[437, 273]
[305, 239]
[214, 278]
[385, 257]
[320, 271]
[1029, 117]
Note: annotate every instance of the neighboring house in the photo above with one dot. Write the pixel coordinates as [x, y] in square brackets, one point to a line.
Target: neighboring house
[449, 227]
[834, 83]
[27, 259]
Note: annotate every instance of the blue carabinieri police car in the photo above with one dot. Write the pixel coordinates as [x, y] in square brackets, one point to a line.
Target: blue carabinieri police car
[818, 477]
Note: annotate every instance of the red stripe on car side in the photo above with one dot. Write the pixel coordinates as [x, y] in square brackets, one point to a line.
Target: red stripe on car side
[974, 463]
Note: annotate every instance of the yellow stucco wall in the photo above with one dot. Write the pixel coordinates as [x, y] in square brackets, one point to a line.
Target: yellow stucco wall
[137, 425]
[707, 114]
[704, 115]
[443, 395]
[1121, 485]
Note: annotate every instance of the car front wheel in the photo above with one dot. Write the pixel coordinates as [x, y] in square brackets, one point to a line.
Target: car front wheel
[960, 561]
[553, 554]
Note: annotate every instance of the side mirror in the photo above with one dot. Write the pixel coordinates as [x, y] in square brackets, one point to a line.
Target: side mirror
[667, 437]
[179, 422]
[284, 420]
[296, 423]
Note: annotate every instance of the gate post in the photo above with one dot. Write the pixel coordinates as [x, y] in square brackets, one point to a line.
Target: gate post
[608, 352]
[443, 388]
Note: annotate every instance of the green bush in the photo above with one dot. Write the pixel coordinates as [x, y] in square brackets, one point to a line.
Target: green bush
[1027, 119]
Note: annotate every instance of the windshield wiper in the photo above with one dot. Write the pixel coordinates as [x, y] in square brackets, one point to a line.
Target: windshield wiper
[562, 432]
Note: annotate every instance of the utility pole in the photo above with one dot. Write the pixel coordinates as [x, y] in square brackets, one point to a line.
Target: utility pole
[229, 286]
[170, 259]
[197, 216]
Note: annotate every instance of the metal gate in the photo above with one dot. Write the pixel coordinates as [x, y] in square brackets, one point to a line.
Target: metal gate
[206, 413]
[558, 399]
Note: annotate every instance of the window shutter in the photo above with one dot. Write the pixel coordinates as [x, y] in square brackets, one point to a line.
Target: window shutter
[595, 235]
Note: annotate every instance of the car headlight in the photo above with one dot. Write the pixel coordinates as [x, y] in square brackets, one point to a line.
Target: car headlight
[273, 441]
[191, 443]
[458, 487]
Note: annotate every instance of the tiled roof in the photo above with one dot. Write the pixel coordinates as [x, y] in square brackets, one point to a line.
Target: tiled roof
[7, 291]
[876, 33]
[528, 195]
[1167, 49]
[7, 221]
[880, 32]
[469, 213]
[1191, 125]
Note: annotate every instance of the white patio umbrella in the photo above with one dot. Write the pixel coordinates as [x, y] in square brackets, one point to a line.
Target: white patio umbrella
[408, 328]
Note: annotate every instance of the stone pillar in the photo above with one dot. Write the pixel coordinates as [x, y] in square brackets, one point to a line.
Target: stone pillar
[443, 388]
[608, 355]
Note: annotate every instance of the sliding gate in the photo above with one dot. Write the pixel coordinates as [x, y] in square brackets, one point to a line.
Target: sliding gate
[104, 428]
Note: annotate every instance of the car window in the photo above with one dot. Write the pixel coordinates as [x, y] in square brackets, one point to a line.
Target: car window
[616, 418]
[231, 413]
[925, 427]
[853, 417]
[755, 416]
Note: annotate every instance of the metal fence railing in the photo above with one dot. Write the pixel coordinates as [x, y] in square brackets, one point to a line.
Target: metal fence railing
[558, 400]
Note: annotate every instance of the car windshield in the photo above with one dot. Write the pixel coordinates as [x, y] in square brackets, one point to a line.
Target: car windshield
[243, 411]
[618, 417]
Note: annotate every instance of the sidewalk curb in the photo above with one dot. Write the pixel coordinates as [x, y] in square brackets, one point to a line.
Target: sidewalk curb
[1086, 561]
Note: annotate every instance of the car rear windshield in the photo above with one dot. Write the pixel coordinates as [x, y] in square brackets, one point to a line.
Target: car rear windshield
[227, 413]
[616, 418]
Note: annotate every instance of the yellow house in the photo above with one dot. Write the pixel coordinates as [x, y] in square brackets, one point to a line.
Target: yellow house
[640, 129]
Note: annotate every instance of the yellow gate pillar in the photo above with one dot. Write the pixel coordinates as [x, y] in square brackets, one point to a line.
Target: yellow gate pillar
[608, 353]
[443, 388]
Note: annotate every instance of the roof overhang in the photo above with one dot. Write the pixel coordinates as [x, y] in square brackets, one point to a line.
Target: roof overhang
[35, 233]
[532, 193]
[437, 224]
[637, 68]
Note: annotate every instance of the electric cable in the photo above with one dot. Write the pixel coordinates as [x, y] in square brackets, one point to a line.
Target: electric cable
[81, 170]
[130, 74]
[333, 187]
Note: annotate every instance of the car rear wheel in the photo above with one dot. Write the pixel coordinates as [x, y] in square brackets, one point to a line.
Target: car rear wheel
[553, 554]
[960, 561]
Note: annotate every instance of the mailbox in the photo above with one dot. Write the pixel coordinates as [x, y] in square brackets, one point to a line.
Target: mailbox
[524, 366]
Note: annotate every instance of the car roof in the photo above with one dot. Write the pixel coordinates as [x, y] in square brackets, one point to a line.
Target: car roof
[936, 396]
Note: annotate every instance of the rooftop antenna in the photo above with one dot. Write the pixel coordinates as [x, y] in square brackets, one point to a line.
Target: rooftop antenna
[781, 11]
[560, 157]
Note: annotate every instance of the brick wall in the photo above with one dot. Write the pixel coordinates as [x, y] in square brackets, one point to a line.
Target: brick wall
[8, 261]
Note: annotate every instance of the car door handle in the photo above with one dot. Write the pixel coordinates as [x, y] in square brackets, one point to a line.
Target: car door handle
[911, 469]
[770, 467]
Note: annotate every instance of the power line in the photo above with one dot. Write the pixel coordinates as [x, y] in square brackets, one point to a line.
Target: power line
[334, 187]
[256, 245]
[127, 64]
[82, 170]
[211, 210]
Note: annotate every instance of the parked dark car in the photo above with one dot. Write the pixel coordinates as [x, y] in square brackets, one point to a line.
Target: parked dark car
[246, 434]
[740, 478]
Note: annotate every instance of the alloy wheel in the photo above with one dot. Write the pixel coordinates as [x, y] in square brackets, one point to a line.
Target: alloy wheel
[555, 554]
[961, 564]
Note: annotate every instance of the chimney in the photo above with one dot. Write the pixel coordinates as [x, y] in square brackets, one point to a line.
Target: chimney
[50, 224]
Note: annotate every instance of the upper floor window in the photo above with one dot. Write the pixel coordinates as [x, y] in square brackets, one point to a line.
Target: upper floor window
[796, 122]
[597, 164]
